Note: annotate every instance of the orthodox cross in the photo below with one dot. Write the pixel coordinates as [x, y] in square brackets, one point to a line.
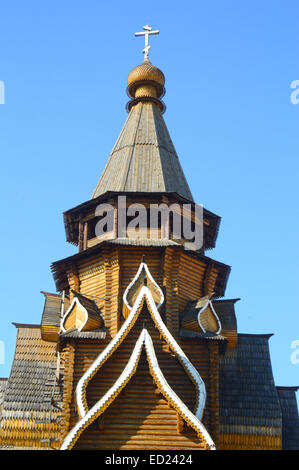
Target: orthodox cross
[147, 31]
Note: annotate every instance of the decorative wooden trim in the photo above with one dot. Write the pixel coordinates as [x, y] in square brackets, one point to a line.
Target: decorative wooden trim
[74, 302]
[209, 304]
[180, 424]
[114, 343]
[87, 416]
[171, 397]
[104, 356]
[179, 353]
[144, 340]
[143, 266]
[144, 294]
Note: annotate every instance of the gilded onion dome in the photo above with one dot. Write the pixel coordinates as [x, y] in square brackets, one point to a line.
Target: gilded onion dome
[146, 83]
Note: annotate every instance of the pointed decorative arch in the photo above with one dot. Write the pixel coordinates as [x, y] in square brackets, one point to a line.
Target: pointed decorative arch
[207, 317]
[142, 276]
[83, 314]
[107, 399]
[144, 295]
[144, 341]
[104, 356]
[79, 313]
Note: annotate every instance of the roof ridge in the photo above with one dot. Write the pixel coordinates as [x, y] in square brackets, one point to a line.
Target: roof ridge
[125, 179]
[26, 325]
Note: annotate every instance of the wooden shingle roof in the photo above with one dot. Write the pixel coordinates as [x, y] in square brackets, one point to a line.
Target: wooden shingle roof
[249, 403]
[51, 316]
[144, 158]
[290, 417]
[31, 393]
[32, 374]
[3, 384]
[225, 311]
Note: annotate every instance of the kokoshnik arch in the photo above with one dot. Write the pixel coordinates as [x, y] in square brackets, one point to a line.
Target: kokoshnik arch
[139, 349]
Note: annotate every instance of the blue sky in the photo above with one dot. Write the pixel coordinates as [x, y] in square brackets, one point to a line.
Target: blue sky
[228, 68]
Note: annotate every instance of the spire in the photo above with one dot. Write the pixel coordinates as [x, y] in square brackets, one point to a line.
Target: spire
[144, 158]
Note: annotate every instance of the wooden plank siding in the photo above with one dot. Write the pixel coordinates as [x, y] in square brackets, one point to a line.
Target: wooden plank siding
[139, 418]
[68, 390]
[107, 274]
[204, 355]
[249, 441]
[172, 260]
[140, 412]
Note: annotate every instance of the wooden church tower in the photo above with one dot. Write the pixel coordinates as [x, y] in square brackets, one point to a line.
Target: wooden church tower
[138, 349]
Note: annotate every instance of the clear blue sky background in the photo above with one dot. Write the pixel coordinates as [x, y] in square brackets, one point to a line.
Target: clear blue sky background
[228, 67]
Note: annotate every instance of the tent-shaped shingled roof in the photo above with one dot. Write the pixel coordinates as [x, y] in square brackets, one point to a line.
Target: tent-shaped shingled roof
[143, 158]
[250, 414]
[32, 397]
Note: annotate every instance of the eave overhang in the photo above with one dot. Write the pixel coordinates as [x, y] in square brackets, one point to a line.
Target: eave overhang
[290, 388]
[59, 267]
[83, 211]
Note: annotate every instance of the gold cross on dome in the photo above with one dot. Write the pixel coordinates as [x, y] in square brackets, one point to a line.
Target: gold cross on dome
[147, 31]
